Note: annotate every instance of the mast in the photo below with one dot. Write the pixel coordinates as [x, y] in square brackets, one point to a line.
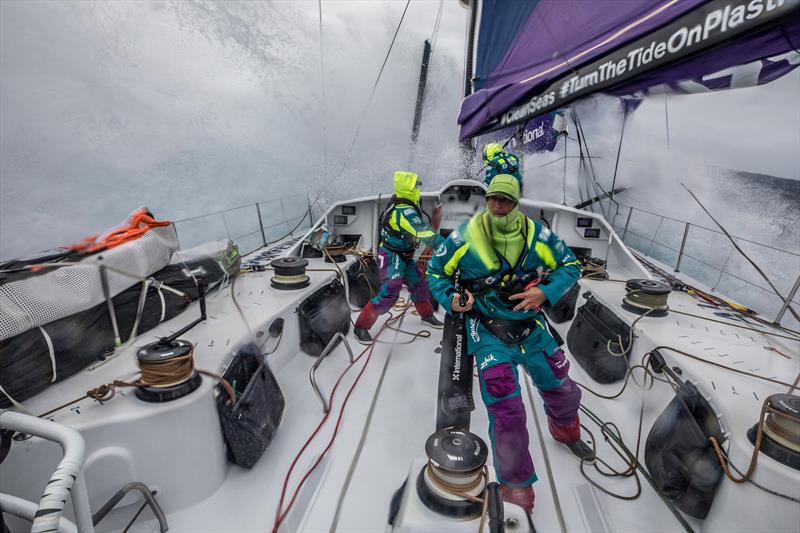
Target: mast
[423, 79]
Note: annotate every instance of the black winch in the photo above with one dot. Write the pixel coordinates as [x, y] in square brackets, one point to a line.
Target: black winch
[290, 273]
[646, 296]
[781, 438]
[455, 471]
[168, 372]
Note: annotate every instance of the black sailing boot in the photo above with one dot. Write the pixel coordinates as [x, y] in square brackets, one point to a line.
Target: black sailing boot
[582, 451]
[432, 320]
[362, 334]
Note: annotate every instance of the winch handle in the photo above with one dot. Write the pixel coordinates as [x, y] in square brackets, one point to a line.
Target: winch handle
[495, 507]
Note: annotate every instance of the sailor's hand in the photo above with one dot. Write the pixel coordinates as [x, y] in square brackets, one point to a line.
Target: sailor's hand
[458, 308]
[533, 298]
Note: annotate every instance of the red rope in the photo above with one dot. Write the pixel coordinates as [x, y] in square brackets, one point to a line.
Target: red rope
[281, 515]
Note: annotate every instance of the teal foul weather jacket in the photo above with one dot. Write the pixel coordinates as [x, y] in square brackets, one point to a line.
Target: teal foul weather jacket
[469, 250]
[402, 226]
[502, 163]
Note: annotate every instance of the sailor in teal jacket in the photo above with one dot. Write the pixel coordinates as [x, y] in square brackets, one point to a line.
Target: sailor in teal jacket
[402, 227]
[496, 161]
[510, 266]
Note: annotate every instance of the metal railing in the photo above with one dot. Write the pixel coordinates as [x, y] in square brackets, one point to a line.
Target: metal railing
[250, 226]
[699, 251]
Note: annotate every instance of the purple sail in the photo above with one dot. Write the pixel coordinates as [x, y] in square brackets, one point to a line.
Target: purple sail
[535, 57]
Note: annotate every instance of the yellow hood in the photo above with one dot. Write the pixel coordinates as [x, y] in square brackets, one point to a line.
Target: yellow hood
[405, 186]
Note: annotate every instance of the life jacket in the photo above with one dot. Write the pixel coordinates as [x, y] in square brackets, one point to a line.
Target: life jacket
[508, 279]
[408, 240]
[504, 163]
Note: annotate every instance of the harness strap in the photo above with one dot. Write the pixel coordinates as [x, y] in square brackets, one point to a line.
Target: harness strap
[385, 219]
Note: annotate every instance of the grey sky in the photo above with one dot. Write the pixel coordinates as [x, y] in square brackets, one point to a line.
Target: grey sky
[190, 107]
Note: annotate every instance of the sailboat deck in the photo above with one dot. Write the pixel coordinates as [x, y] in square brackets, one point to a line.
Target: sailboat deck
[387, 419]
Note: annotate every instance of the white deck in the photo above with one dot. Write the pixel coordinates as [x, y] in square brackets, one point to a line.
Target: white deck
[177, 448]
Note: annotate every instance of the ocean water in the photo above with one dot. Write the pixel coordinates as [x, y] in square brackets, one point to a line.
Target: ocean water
[762, 211]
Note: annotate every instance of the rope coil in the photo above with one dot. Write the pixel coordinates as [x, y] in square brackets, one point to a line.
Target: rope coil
[646, 296]
[472, 480]
[594, 268]
[158, 375]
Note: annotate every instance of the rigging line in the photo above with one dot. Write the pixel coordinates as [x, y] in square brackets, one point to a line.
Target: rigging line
[435, 32]
[683, 286]
[591, 167]
[372, 93]
[619, 148]
[581, 180]
[580, 156]
[587, 183]
[738, 249]
[579, 124]
[642, 470]
[322, 83]
[564, 177]
[666, 118]
[585, 174]
[762, 487]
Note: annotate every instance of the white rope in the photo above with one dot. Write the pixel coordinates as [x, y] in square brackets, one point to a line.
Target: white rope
[163, 303]
[226, 277]
[139, 308]
[52, 352]
[15, 402]
[161, 285]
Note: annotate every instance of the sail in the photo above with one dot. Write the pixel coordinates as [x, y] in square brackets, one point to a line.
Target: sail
[535, 57]
[540, 134]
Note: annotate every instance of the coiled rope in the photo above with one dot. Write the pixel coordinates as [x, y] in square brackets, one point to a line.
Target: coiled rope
[162, 374]
[765, 409]
[644, 301]
[474, 479]
[594, 269]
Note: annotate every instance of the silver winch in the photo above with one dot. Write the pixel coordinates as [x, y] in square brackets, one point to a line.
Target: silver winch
[455, 475]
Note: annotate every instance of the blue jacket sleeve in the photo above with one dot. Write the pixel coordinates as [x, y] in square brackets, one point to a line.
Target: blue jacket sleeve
[565, 267]
[442, 267]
